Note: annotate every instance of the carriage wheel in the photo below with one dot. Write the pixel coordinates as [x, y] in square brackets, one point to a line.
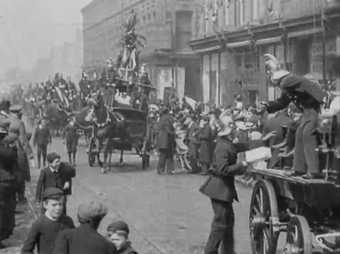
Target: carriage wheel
[299, 237]
[263, 211]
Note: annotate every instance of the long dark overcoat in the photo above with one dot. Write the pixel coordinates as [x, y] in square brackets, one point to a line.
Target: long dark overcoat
[8, 162]
[166, 133]
[205, 137]
[84, 240]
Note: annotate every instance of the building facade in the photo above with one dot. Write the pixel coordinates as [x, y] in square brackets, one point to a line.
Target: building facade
[231, 37]
[167, 26]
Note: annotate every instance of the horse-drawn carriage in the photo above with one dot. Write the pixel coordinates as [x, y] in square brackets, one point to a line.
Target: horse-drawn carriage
[307, 210]
[126, 131]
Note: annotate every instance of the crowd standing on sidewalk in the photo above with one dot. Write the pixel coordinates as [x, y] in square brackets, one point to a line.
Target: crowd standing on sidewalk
[192, 138]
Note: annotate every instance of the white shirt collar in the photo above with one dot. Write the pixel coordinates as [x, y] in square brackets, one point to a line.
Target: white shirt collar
[53, 170]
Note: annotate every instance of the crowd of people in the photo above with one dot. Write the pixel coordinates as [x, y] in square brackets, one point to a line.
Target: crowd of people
[197, 139]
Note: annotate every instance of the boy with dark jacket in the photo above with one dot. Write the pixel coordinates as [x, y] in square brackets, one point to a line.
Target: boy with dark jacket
[45, 229]
[57, 174]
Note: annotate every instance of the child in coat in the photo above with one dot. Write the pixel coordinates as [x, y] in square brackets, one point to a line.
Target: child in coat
[118, 233]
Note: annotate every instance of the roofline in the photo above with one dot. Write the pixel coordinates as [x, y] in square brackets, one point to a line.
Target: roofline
[259, 31]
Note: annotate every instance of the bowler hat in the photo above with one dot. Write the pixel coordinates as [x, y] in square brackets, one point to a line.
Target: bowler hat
[52, 193]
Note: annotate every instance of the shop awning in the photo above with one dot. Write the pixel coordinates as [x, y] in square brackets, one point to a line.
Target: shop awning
[208, 49]
[238, 44]
[268, 40]
[305, 32]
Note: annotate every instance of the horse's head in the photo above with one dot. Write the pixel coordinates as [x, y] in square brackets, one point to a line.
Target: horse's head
[90, 115]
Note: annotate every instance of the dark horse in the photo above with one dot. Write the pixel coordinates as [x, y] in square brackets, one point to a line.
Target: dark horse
[105, 126]
[57, 117]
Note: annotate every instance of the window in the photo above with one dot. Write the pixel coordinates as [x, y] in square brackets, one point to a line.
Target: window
[226, 13]
[255, 10]
[253, 97]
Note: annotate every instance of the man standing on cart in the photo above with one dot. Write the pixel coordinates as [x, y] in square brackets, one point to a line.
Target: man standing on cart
[308, 97]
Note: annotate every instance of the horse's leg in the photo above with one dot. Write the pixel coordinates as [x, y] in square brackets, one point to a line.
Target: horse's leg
[110, 159]
[121, 156]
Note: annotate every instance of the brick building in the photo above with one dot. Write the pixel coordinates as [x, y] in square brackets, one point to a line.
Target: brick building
[167, 25]
[231, 37]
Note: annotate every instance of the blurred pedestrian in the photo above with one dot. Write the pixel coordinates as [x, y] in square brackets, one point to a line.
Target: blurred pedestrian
[45, 229]
[85, 239]
[24, 150]
[8, 164]
[206, 139]
[220, 188]
[71, 138]
[193, 142]
[57, 174]
[118, 233]
[42, 137]
[165, 143]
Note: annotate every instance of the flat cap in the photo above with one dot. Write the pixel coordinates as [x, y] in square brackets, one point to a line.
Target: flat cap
[52, 193]
[91, 210]
[52, 156]
[15, 108]
[118, 226]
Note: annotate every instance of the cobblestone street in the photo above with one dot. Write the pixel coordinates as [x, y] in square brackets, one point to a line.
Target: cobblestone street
[166, 214]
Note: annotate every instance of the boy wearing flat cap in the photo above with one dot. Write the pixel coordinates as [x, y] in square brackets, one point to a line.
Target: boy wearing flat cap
[85, 239]
[57, 174]
[45, 229]
[118, 233]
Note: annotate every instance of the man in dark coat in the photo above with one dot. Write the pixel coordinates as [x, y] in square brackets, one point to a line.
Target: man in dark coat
[206, 138]
[165, 142]
[8, 164]
[85, 239]
[308, 97]
[276, 124]
[71, 138]
[193, 142]
[220, 188]
[42, 137]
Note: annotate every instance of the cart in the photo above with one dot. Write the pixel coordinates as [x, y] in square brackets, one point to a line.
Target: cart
[132, 136]
[308, 211]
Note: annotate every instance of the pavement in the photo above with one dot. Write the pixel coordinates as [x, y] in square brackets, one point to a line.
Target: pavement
[166, 213]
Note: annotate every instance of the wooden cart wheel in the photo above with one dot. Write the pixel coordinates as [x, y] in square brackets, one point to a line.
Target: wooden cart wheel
[299, 237]
[263, 211]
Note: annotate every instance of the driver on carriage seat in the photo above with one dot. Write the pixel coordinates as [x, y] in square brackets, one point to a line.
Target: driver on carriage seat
[308, 97]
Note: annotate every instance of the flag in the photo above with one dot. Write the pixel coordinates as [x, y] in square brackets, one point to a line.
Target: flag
[62, 97]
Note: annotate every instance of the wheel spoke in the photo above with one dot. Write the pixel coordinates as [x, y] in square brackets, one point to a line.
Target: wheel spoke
[295, 234]
[265, 242]
[262, 201]
[256, 210]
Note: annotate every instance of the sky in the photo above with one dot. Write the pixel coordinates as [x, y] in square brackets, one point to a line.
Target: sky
[30, 28]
